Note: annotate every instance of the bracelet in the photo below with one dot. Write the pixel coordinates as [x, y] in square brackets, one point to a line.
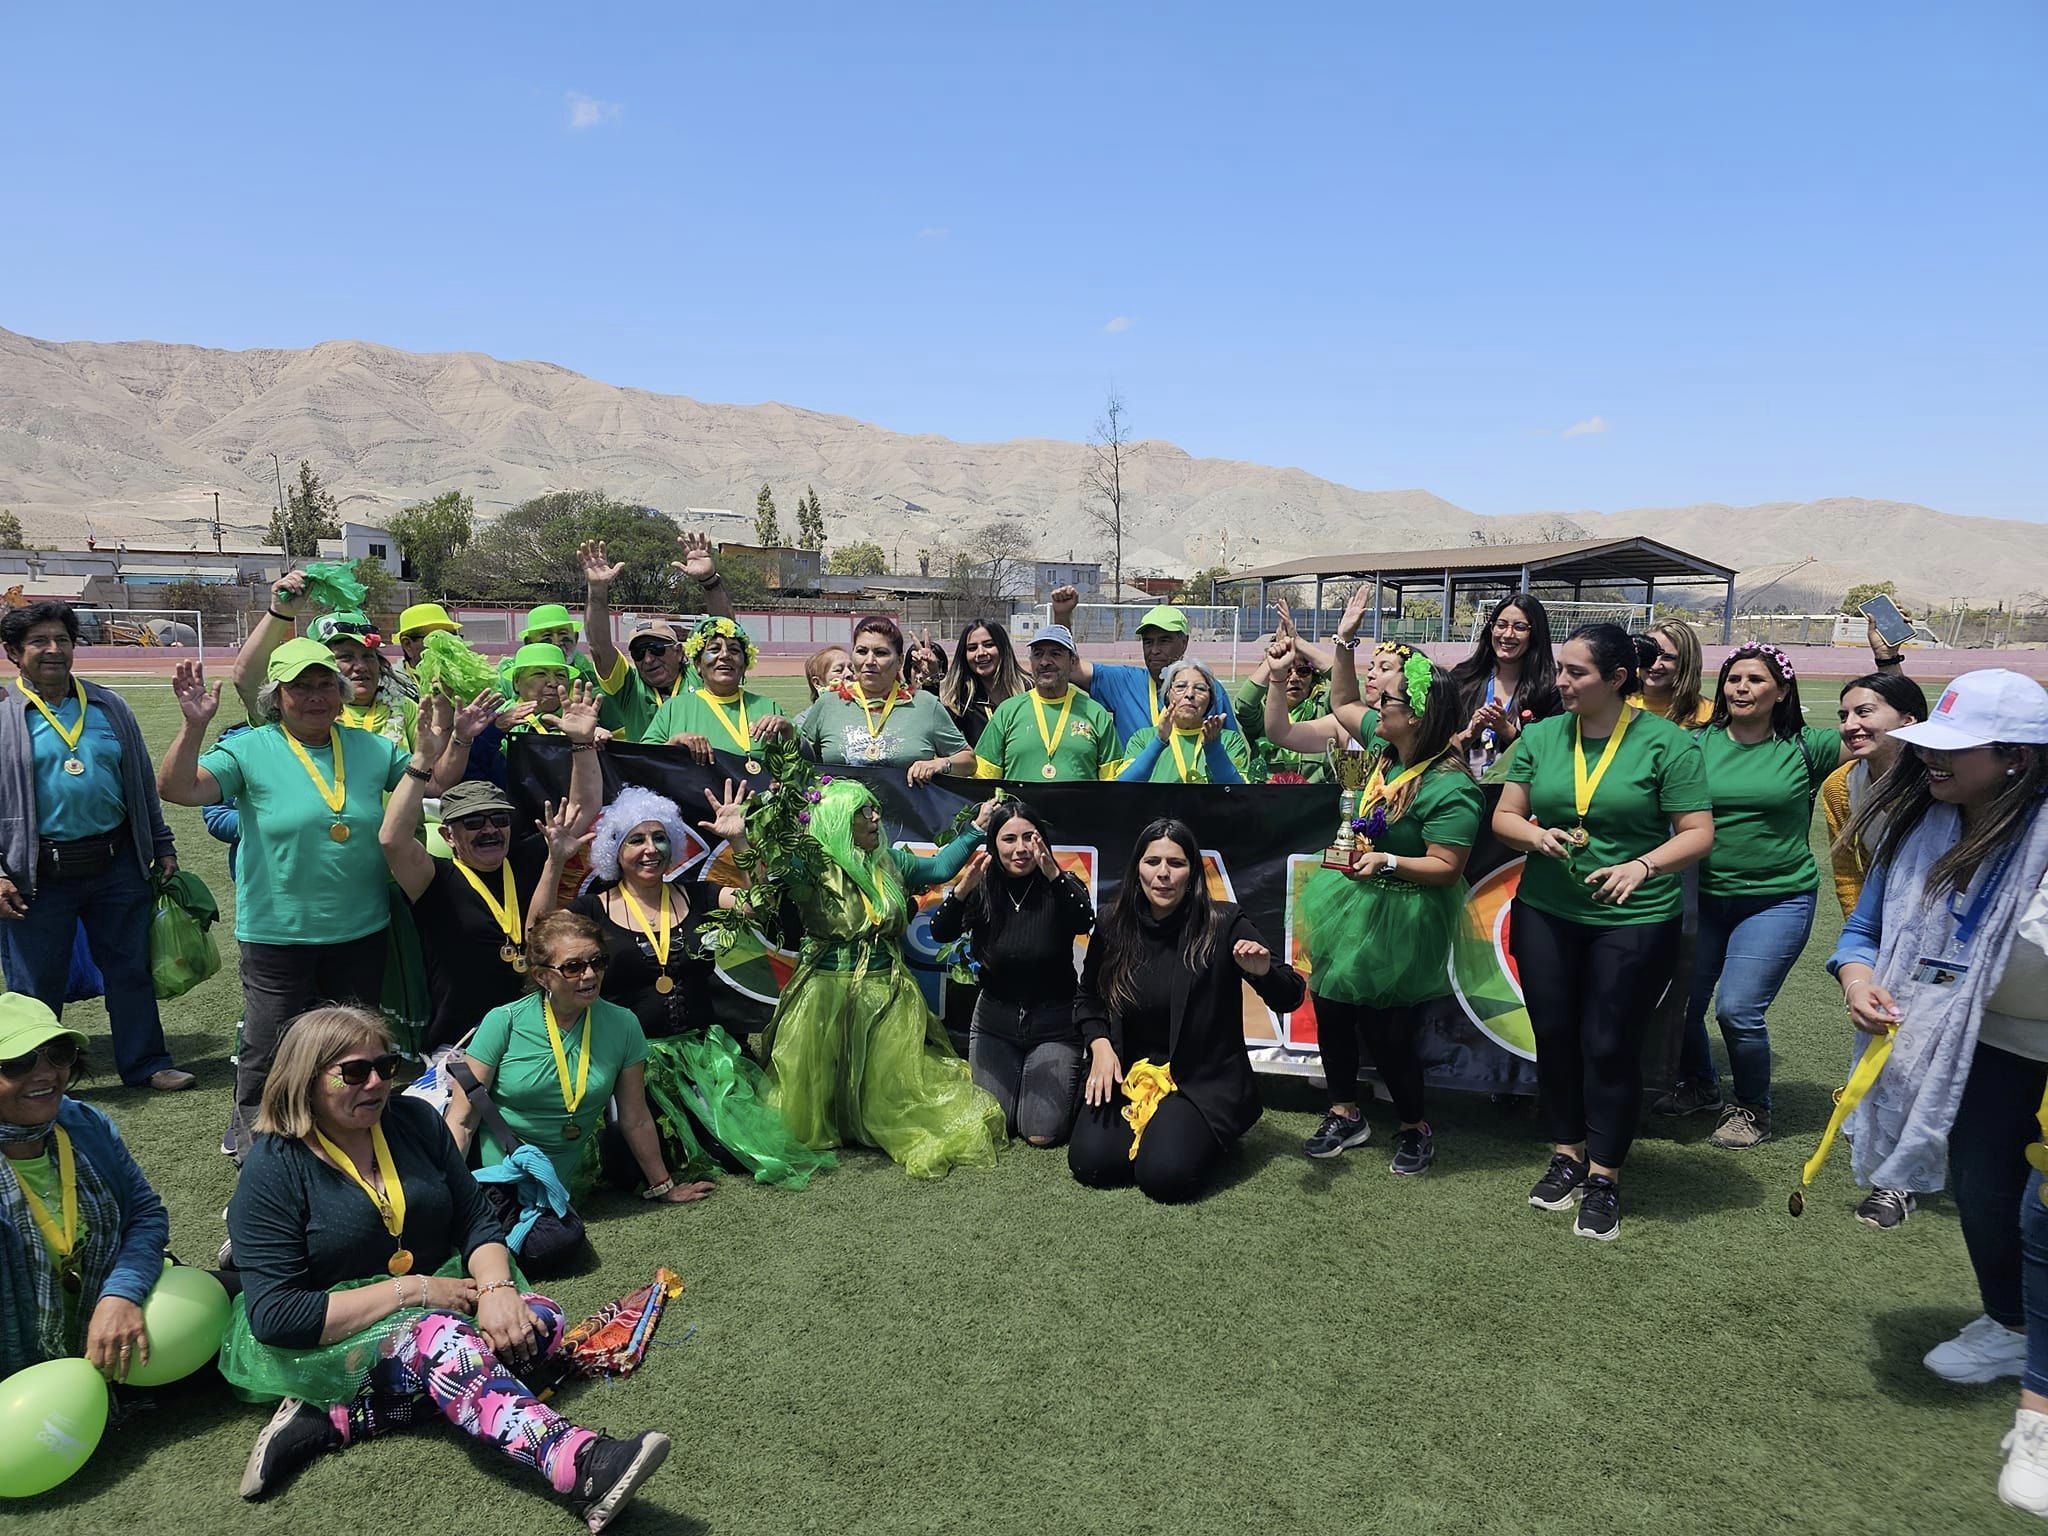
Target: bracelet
[496, 1285]
[1648, 866]
[467, 741]
[715, 581]
[425, 1294]
[282, 617]
[582, 746]
[656, 1191]
[414, 771]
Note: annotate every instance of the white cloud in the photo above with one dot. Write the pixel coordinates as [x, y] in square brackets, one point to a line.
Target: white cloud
[1586, 428]
[1120, 323]
[933, 232]
[589, 112]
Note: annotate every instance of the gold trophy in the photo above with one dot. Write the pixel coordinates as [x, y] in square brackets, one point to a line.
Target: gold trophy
[1351, 768]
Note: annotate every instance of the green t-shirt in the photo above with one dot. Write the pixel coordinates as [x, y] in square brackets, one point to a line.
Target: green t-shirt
[513, 1042]
[294, 884]
[1250, 703]
[1445, 810]
[688, 715]
[1657, 773]
[836, 730]
[1193, 751]
[627, 704]
[1763, 810]
[1011, 748]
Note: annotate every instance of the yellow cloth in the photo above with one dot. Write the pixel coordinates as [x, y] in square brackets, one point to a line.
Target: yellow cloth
[1146, 1085]
[1848, 863]
[1860, 1082]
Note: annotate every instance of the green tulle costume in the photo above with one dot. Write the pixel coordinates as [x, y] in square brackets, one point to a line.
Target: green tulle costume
[853, 1053]
[706, 1081]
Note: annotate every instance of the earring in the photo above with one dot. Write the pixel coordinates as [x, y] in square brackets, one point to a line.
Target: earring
[2012, 773]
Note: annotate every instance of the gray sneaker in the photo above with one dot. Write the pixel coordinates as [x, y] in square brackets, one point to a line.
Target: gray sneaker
[1742, 1126]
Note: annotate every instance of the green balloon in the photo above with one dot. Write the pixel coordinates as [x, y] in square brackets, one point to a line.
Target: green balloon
[185, 1318]
[51, 1418]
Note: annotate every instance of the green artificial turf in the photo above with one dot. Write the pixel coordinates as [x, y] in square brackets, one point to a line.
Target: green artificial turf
[1313, 1348]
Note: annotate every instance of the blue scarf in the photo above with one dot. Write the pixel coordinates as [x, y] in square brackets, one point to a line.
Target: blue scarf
[39, 1319]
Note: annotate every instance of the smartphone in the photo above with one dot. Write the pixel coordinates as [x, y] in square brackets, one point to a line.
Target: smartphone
[1893, 627]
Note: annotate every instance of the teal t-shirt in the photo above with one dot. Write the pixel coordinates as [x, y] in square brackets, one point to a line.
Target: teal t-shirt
[836, 729]
[1763, 811]
[294, 884]
[68, 805]
[513, 1042]
[1656, 773]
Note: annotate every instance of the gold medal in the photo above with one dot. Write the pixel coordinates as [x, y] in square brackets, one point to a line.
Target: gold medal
[400, 1263]
[752, 766]
[509, 953]
[571, 1131]
[519, 965]
[339, 832]
[664, 983]
[1578, 837]
[2037, 1157]
[1048, 772]
[73, 766]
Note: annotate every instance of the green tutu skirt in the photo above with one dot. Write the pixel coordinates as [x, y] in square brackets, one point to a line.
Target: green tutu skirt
[855, 1056]
[1379, 943]
[712, 1104]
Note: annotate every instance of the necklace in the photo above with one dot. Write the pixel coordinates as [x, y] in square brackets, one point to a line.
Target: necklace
[336, 796]
[571, 1100]
[1052, 737]
[60, 1234]
[390, 1202]
[72, 764]
[743, 735]
[664, 983]
[504, 912]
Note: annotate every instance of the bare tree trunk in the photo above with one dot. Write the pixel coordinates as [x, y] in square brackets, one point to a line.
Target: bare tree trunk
[1110, 446]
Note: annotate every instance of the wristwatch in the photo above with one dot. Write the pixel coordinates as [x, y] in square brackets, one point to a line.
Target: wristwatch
[1390, 866]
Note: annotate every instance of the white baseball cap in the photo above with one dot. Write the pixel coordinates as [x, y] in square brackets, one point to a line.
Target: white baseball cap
[1980, 708]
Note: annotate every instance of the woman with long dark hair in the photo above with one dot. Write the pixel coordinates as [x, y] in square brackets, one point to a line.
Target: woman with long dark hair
[982, 675]
[1872, 707]
[1020, 914]
[1931, 971]
[1508, 682]
[1169, 1089]
[1612, 802]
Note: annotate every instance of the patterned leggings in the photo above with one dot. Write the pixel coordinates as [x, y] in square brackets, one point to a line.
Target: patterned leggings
[443, 1364]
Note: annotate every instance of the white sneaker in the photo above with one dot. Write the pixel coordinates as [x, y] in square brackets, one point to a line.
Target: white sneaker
[2024, 1482]
[1984, 1351]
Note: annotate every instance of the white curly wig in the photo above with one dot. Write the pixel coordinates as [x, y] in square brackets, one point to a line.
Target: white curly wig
[634, 806]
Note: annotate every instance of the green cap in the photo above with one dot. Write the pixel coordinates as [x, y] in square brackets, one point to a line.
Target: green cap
[1165, 617]
[296, 656]
[345, 626]
[546, 617]
[538, 658]
[26, 1022]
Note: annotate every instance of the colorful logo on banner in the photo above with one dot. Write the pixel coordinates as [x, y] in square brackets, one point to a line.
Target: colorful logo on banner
[1483, 972]
[752, 966]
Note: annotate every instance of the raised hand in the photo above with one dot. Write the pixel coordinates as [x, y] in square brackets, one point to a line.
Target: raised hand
[1279, 651]
[728, 813]
[559, 830]
[431, 730]
[473, 717]
[698, 563]
[1048, 866]
[1253, 958]
[1354, 613]
[1063, 601]
[578, 717]
[599, 569]
[288, 592]
[986, 811]
[972, 876]
[1212, 730]
[188, 687]
[514, 714]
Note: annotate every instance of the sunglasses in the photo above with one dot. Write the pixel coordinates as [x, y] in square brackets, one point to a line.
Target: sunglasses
[357, 1069]
[61, 1054]
[642, 649]
[479, 820]
[574, 968]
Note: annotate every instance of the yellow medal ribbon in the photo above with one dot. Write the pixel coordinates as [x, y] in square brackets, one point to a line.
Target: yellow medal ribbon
[1152, 690]
[1052, 738]
[391, 1203]
[1847, 1097]
[71, 737]
[660, 943]
[1180, 763]
[506, 912]
[336, 796]
[59, 1236]
[743, 738]
[370, 719]
[547, 1010]
[1146, 1085]
[1584, 785]
[867, 709]
[1378, 789]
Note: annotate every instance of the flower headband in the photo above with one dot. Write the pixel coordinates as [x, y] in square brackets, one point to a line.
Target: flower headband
[702, 634]
[1760, 648]
[1418, 673]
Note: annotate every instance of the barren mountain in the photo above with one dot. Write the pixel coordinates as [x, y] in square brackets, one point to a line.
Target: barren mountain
[132, 438]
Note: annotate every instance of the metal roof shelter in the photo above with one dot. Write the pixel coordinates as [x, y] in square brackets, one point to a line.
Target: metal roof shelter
[1480, 568]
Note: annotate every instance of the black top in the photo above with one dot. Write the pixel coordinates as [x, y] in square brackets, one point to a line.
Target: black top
[466, 976]
[630, 980]
[300, 1228]
[1026, 950]
[1198, 1018]
[973, 720]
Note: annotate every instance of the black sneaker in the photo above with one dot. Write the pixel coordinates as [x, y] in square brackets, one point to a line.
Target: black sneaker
[296, 1433]
[1687, 1099]
[1414, 1150]
[1886, 1208]
[608, 1471]
[1599, 1210]
[1337, 1134]
[1560, 1187]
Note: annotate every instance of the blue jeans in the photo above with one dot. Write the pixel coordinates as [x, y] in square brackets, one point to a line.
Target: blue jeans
[1747, 946]
[2034, 1283]
[35, 953]
[1989, 1179]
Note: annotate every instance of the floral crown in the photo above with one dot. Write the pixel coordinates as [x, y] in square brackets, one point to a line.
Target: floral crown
[1417, 671]
[1762, 648]
[702, 634]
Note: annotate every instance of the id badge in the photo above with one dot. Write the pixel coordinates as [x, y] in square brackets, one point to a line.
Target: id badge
[1936, 971]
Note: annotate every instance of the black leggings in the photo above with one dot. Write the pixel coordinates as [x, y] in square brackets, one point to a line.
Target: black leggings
[1389, 1036]
[1590, 991]
[1174, 1161]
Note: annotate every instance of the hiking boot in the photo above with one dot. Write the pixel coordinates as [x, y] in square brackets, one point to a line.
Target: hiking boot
[1336, 1135]
[296, 1433]
[2024, 1482]
[1886, 1208]
[1414, 1150]
[1599, 1210]
[1741, 1127]
[1687, 1099]
[1984, 1351]
[1560, 1187]
[608, 1471]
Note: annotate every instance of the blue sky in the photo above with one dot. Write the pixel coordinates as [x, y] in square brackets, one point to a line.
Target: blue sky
[1529, 257]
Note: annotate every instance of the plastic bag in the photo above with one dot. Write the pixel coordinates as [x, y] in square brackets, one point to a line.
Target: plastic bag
[182, 953]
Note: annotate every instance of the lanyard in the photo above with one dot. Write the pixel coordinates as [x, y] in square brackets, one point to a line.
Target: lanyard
[1967, 923]
[336, 796]
[391, 1203]
[743, 738]
[659, 942]
[506, 914]
[1052, 738]
[547, 1010]
[61, 1240]
[70, 737]
[1180, 764]
[1585, 786]
[371, 719]
[1152, 698]
[867, 709]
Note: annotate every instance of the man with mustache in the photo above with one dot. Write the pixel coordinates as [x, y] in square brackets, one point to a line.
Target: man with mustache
[1053, 732]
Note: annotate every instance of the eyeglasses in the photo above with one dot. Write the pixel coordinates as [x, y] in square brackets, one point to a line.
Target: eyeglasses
[573, 968]
[481, 819]
[61, 1054]
[1510, 627]
[1664, 655]
[642, 649]
[357, 1069]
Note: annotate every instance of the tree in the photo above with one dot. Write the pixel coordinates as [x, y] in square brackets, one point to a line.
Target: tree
[432, 533]
[767, 530]
[529, 554]
[857, 560]
[11, 536]
[1110, 455]
[987, 569]
[810, 520]
[308, 516]
[380, 587]
[1200, 588]
[1864, 591]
